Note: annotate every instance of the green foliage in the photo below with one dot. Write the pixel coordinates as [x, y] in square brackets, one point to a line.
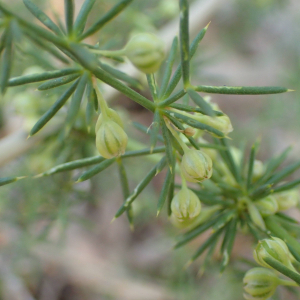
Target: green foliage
[229, 183]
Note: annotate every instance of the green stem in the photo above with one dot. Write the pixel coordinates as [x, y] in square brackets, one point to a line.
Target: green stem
[183, 180]
[109, 53]
[124, 89]
[287, 282]
[184, 147]
[102, 102]
[241, 90]
[184, 41]
[152, 86]
[282, 269]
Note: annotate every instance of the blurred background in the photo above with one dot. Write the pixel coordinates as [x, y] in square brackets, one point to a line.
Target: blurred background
[56, 239]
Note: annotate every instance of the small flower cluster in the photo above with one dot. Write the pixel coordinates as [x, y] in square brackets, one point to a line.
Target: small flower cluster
[261, 283]
[111, 139]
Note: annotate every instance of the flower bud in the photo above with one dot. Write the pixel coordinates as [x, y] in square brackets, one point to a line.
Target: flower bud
[205, 214]
[236, 155]
[274, 248]
[178, 223]
[111, 139]
[260, 284]
[113, 115]
[196, 165]
[267, 206]
[146, 52]
[258, 169]
[189, 131]
[185, 205]
[221, 123]
[287, 199]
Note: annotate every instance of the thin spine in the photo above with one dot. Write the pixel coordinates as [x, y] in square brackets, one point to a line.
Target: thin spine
[81, 19]
[6, 65]
[262, 192]
[205, 245]
[228, 243]
[167, 136]
[164, 192]
[241, 164]
[188, 108]
[283, 173]
[90, 107]
[172, 99]
[181, 128]
[198, 100]
[241, 90]
[76, 101]
[2, 41]
[96, 170]
[54, 109]
[69, 15]
[184, 41]
[273, 164]
[251, 166]
[113, 12]
[223, 220]
[275, 264]
[136, 97]
[42, 17]
[147, 151]
[177, 75]
[47, 47]
[141, 186]
[40, 31]
[286, 187]
[88, 61]
[208, 257]
[125, 191]
[190, 235]
[15, 81]
[121, 75]
[8, 180]
[57, 82]
[186, 99]
[152, 86]
[286, 217]
[154, 130]
[81, 163]
[177, 142]
[194, 123]
[171, 188]
[168, 69]
[231, 163]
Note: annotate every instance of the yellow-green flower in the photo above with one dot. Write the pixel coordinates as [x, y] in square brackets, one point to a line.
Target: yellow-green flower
[267, 206]
[221, 123]
[196, 165]
[260, 284]
[113, 115]
[287, 199]
[146, 52]
[274, 248]
[111, 139]
[185, 205]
